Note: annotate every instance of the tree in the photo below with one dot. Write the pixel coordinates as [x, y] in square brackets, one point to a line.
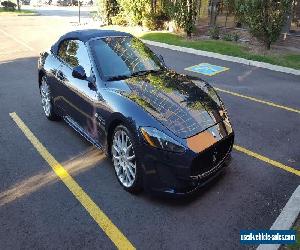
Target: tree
[184, 13]
[18, 4]
[107, 9]
[8, 5]
[265, 18]
[135, 11]
[230, 8]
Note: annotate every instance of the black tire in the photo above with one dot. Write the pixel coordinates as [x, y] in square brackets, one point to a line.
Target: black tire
[137, 184]
[50, 114]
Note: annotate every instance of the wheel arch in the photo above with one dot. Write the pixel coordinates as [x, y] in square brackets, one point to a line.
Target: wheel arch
[41, 74]
[117, 120]
[110, 131]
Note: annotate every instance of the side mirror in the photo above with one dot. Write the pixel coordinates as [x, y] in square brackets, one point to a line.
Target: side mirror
[79, 73]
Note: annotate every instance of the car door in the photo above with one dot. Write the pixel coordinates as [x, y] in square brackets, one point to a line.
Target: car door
[78, 97]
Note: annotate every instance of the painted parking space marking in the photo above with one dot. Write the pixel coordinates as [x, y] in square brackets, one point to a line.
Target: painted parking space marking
[116, 236]
[286, 218]
[259, 100]
[207, 69]
[210, 70]
[17, 40]
[267, 160]
[95, 212]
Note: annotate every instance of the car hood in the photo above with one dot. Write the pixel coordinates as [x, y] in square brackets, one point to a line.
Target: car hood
[186, 107]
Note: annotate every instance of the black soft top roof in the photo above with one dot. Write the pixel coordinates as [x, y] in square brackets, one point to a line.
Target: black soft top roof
[85, 35]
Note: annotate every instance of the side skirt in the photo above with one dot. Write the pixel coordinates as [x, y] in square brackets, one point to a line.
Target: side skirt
[82, 132]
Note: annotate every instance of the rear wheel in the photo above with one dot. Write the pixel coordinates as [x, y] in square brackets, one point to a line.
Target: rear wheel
[127, 168]
[47, 100]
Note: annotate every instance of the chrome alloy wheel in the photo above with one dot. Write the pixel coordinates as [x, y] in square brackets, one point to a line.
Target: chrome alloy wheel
[46, 98]
[124, 158]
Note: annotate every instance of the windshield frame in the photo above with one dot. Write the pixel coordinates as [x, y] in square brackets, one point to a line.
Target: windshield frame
[98, 67]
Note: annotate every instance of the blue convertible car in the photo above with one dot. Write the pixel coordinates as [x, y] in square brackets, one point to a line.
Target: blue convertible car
[164, 131]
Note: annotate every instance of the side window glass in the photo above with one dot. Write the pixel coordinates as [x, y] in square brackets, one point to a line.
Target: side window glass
[71, 53]
[83, 58]
[62, 50]
[67, 52]
[74, 53]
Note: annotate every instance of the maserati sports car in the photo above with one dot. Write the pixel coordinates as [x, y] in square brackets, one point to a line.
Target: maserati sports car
[164, 131]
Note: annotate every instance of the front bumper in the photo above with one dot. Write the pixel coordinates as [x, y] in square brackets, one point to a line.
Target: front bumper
[174, 173]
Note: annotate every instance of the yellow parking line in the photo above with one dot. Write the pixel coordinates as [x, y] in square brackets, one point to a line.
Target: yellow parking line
[95, 212]
[17, 40]
[267, 160]
[260, 101]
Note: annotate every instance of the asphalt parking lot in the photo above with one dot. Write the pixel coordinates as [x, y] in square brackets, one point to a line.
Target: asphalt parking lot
[38, 210]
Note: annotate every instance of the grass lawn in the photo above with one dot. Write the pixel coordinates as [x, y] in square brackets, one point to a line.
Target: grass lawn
[225, 48]
[4, 12]
[295, 246]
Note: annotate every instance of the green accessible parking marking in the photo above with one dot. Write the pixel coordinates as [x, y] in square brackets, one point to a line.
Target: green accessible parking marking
[207, 69]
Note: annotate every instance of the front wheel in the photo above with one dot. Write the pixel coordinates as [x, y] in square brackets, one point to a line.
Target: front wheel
[127, 168]
[47, 100]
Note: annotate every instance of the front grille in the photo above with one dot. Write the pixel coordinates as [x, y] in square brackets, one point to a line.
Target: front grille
[211, 157]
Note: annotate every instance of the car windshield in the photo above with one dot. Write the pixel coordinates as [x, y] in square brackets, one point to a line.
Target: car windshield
[123, 57]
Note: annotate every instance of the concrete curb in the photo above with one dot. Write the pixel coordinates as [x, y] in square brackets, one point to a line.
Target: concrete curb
[226, 58]
[37, 14]
[286, 219]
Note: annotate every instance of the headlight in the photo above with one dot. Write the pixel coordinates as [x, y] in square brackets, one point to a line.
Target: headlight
[158, 139]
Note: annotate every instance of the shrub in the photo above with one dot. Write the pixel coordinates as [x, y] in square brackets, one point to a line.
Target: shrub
[8, 5]
[155, 21]
[227, 37]
[150, 22]
[119, 20]
[134, 11]
[184, 13]
[214, 32]
[236, 37]
[106, 9]
[231, 37]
